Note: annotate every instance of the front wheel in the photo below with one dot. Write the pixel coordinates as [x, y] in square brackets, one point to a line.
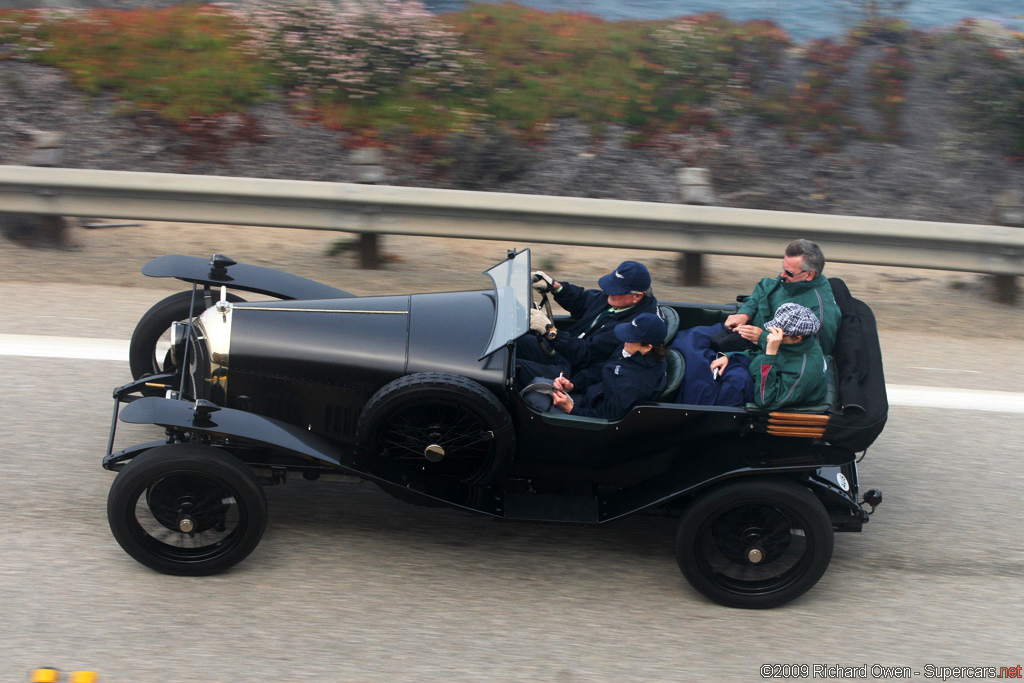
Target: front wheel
[187, 510]
[755, 544]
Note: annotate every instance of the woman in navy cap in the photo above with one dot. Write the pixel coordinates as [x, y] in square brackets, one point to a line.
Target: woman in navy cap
[635, 372]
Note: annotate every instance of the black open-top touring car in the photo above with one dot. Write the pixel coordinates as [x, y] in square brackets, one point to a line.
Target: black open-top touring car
[416, 393]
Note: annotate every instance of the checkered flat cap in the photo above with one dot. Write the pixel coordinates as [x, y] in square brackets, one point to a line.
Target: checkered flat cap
[795, 320]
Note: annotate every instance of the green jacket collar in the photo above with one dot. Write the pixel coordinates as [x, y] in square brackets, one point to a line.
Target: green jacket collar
[793, 288]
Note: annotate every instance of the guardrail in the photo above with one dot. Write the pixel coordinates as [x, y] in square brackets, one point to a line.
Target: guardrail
[379, 209]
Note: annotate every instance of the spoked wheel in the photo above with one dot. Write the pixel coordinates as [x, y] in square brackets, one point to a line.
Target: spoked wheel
[433, 424]
[150, 349]
[186, 509]
[755, 544]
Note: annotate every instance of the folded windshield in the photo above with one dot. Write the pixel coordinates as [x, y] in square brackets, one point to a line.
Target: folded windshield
[511, 280]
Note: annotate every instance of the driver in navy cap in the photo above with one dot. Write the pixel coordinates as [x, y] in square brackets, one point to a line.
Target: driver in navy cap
[635, 372]
[625, 293]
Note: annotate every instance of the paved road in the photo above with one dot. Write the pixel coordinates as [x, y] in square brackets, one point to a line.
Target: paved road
[351, 585]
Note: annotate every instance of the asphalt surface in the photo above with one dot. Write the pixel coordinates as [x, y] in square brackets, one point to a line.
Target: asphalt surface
[349, 584]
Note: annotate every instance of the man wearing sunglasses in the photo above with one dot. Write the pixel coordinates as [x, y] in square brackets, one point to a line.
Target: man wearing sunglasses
[800, 282]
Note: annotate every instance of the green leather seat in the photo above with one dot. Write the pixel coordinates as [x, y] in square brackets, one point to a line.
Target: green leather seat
[671, 322]
[675, 370]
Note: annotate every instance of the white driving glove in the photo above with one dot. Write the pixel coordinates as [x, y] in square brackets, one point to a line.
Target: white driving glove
[539, 322]
[542, 282]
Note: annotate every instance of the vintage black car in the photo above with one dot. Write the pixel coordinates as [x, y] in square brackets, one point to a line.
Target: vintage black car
[416, 393]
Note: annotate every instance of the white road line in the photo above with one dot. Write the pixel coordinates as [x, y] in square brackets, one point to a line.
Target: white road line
[87, 348]
[954, 399]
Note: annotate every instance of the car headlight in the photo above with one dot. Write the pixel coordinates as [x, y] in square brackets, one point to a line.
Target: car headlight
[212, 345]
[179, 333]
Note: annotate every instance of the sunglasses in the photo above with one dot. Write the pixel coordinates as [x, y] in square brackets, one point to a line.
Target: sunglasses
[790, 273]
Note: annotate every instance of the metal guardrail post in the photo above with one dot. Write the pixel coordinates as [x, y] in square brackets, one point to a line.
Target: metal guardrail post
[1006, 289]
[369, 255]
[369, 247]
[694, 188]
[369, 171]
[691, 269]
[40, 229]
[1008, 209]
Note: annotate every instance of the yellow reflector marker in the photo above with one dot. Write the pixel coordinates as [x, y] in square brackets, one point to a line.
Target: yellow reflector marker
[45, 676]
[83, 677]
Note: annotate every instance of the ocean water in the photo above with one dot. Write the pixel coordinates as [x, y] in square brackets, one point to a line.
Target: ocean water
[802, 19]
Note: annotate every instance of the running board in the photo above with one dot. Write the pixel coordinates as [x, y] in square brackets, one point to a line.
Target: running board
[551, 508]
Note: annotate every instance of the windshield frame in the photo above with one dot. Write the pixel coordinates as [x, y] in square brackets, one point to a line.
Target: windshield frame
[513, 299]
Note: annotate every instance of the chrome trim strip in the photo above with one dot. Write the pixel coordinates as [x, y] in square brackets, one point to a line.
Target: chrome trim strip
[245, 307]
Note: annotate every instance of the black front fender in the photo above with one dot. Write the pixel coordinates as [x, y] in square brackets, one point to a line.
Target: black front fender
[241, 276]
[239, 425]
[249, 429]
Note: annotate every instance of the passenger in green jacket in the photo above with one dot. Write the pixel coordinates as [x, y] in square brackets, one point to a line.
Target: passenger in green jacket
[792, 369]
[800, 282]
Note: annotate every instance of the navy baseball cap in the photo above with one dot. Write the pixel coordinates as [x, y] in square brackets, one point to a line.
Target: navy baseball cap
[646, 328]
[629, 277]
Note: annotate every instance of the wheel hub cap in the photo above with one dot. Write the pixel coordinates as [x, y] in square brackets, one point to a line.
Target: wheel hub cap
[754, 555]
[434, 453]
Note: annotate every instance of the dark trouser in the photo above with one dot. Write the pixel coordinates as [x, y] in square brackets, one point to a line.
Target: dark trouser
[734, 387]
[532, 362]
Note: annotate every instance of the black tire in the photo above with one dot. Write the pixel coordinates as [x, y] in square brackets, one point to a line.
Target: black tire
[468, 428]
[722, 532]
[163, 489]
[155, 326]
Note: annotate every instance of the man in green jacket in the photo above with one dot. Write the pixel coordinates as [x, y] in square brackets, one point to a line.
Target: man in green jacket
[800, 282]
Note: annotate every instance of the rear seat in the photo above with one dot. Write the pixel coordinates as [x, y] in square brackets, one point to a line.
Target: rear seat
[681, 319]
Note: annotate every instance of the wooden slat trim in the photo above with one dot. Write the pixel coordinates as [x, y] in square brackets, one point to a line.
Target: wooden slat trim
[796, 431]
[798, 418]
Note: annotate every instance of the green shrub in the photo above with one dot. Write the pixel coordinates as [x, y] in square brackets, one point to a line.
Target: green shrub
[180, 62]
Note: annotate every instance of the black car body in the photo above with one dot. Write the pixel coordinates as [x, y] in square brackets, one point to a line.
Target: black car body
[416, 393]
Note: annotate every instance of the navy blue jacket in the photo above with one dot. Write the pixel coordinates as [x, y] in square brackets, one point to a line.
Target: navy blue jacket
[596, 344]
[618, 385]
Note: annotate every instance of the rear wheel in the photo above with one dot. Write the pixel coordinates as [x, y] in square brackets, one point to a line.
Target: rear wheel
[149, 352]
[755, 544]
[187, 509]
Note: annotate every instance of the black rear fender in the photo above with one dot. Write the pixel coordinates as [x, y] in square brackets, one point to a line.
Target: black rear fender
[838, 490]
[220, 271]
[700, 466]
